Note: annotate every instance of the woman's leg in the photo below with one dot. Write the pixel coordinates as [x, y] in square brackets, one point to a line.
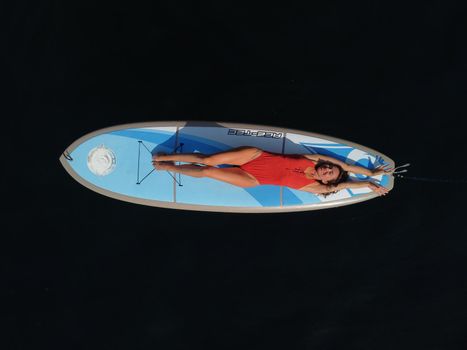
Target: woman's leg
[236, 156]
[234, 176]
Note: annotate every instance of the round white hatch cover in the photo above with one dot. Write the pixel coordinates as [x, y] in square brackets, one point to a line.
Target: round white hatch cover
[101, 160]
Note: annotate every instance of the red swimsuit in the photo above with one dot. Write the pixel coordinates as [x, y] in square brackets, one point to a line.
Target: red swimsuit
[278, 169]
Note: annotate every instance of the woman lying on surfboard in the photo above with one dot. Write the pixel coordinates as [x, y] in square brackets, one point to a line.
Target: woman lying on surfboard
[252, 166]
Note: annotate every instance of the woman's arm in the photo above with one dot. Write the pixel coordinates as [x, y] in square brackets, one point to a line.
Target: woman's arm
[318, 157]
[347, 167]
[349, 184]
[361, 184]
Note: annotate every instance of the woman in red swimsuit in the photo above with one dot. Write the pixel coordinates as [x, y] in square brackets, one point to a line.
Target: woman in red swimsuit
[313, 173]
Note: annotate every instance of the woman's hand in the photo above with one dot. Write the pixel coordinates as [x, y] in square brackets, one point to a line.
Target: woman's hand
[384, 169]
[382, 191]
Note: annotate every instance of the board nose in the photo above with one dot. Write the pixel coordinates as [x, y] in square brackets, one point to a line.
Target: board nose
[66, 154]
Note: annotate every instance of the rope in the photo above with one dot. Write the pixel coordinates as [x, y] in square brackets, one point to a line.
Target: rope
[397, 173]
[427, 179]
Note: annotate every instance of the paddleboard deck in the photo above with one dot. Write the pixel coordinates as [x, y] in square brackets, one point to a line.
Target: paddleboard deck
[117, 162]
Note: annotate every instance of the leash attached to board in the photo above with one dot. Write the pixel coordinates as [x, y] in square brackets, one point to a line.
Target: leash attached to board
[397, 173]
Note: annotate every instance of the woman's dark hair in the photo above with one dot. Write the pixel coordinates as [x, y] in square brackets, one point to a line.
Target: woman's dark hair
[342, 177]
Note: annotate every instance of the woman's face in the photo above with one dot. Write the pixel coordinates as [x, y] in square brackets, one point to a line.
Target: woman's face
[328, 173]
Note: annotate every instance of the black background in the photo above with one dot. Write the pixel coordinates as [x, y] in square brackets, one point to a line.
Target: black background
[83, 271]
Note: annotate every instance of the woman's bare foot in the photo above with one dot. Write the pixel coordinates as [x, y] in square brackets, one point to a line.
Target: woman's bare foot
[168, 165]
[161, 164]
[156, 157]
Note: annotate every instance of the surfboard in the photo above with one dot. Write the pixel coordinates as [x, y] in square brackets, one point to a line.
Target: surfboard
[117, 162]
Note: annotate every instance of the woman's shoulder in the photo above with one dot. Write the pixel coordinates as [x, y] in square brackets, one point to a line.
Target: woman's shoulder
[313, 185]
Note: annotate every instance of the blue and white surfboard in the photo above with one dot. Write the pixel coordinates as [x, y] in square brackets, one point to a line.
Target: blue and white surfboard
[117, 162]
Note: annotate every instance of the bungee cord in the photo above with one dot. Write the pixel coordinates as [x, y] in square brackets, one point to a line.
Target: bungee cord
[397, 173]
